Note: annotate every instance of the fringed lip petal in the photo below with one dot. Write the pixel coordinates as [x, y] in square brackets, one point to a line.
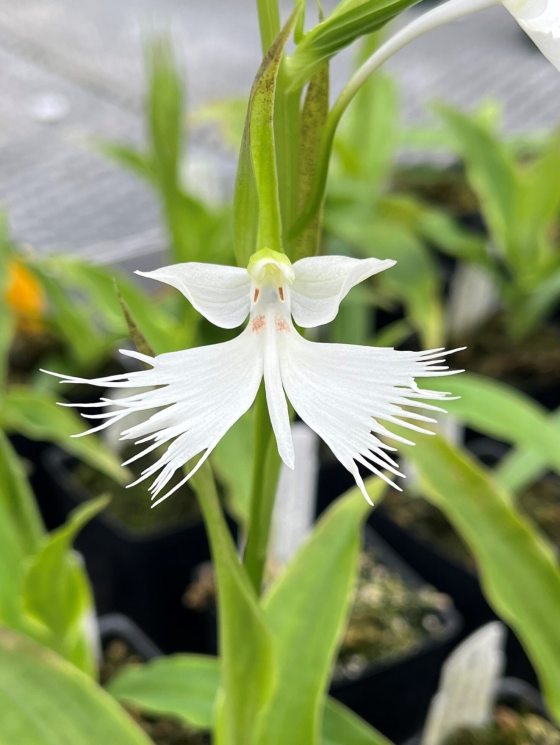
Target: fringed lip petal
[322, 282]
[219, 293]
[198, 395]
[347, 394]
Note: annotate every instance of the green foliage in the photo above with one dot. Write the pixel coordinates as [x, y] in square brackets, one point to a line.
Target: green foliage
[36, 414]
[257, 215]
[245, 642]
[198, 232]
[518, 569]
[274, 644]
[45, 699]
[292, 607]
[519, 198]
[183, 686]
[524, 465]
[313, 117]
[504, 413]
[186, 687]
[56, 591]
[44, 591]
[349, 20]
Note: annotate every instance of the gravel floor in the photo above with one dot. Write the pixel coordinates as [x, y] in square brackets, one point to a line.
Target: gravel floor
[71, 73]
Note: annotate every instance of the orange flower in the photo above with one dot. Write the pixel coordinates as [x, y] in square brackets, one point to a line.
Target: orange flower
[25, 297]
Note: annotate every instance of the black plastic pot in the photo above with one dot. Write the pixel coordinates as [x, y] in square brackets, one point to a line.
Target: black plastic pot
[432, 565]
[393, 696]
[141, 576]
[516, 694]
[115, 626]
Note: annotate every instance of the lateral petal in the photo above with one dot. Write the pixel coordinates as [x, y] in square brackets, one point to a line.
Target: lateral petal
[322, 282]
[190, 400]
[347, 394]
[222, 294]
[540, 19]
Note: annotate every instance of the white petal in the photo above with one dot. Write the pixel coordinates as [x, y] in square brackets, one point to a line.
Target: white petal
[190, 399]
[322, 282]
[276, 400]
[346, 393]
[222, 294]
[540, 19]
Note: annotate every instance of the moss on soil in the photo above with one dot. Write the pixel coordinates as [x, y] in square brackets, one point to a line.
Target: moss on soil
[509, 728]
[531, 364]
[389, 618]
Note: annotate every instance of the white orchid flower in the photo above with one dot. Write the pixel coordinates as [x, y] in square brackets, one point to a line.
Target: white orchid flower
[345, 393]
[540, 19]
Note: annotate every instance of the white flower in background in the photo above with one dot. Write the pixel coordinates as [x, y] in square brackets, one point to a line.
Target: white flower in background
[540, 19]
[345, 393]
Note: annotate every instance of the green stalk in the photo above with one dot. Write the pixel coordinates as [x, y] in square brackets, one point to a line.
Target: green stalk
[263, 491]
[442, 14]
[269, 22]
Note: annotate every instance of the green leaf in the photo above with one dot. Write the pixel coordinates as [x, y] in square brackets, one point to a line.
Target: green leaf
[182, 686]
[45, 700]
[86, 343]
[129, 157]
[539, 205]
[342, 727]
[520, 577]
[257, 171]
[91, 289]
[367, 138]
[36, 415]
[186, 687]
[138, 339]
[17, 501]
[20, 532]
[56, 591]
[245, 641]
[491, 172]
[350, 20]
[313, 116]
[327, 560]
[414, 280]
[522, 467]
[500, 411]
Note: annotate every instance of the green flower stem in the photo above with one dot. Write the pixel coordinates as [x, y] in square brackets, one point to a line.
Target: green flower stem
[265, 477]
[442, 14]
[269, 22]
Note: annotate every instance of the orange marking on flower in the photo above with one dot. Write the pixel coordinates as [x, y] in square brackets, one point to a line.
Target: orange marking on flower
[257, 324]
[281, 324]
[256, 295]
[281, 293]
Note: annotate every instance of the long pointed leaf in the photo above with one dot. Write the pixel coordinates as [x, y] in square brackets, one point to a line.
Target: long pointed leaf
[245, 642]
[315, 589]
[503, 412]
[519, 574]
[45, 700]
